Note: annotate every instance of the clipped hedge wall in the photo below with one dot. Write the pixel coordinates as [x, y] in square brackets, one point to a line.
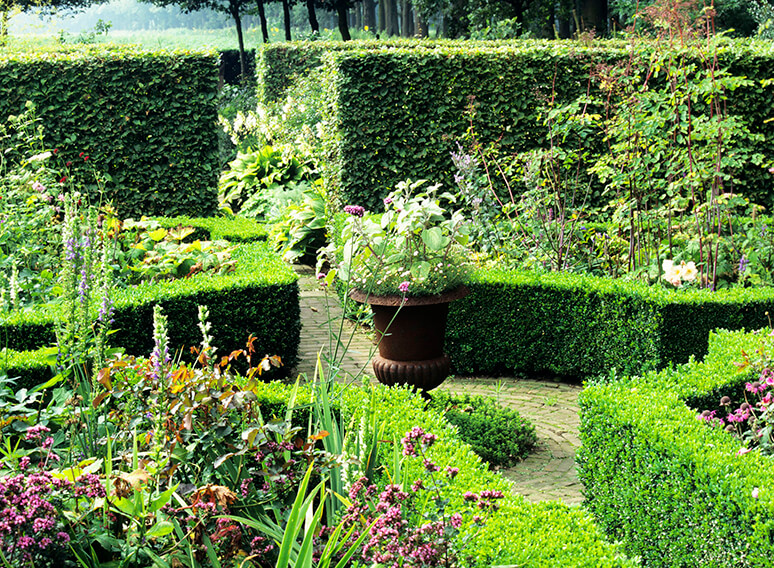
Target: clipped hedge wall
[280, 64]
[669, 486]
[585, 326]
[520, 534]
[259, 298]
[397, 109]
[232, 229]
[27, 368]
[147, 119]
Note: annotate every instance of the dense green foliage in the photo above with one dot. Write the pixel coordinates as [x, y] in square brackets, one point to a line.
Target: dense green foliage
[145, 119]
[585, 326]
[27, 369]
[672, 488]
[279, 65]
[498, 435]
[383, 127]
[260, 298]
[565, 537]
[232, 229]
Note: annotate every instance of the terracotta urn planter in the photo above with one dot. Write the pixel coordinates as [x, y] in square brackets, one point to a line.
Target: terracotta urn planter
[410, 335]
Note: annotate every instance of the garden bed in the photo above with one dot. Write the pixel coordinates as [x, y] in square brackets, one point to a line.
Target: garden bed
[260, 298]
[538, 534]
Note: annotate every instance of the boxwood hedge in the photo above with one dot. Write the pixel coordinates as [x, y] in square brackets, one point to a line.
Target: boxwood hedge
[232, 229]
[520, 534]
[146, 119]
[672, 488]
[260, 298]
[577, 325]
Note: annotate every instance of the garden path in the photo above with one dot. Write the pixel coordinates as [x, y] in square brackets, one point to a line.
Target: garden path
[548, 474]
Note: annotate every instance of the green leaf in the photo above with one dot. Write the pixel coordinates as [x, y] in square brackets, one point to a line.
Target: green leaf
[161, 528]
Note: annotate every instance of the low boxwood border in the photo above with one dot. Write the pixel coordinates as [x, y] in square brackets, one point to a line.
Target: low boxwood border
[577, 325]
[232, 229]
[260, 298]
[672, 488]
[27, 368]
[521, 533]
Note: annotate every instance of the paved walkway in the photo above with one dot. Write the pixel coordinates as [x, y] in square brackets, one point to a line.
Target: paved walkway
[552, 406]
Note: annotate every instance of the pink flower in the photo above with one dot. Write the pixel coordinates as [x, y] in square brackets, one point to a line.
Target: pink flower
[354, 210]
[404, 287]
[755, 493]
[743, 451]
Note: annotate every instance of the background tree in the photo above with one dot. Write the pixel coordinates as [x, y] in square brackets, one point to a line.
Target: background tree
[50, 6]
[341, 7]
[234, 8]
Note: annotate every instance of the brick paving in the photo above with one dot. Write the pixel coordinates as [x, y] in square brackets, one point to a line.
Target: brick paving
[548, 474]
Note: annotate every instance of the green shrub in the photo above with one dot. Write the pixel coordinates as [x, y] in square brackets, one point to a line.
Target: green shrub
[280, 64]
[672, 488]
[260, 298]
[233, 229]
[576, 325]
[26, 368]
[145, 119]
[521, 533]
[498, 435]
[396, 110]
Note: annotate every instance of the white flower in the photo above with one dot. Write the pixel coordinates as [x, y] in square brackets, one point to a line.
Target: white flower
[689, 272]
[672, 273]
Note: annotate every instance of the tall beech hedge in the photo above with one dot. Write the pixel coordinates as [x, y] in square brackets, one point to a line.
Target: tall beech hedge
[395, 110]
[585, 326]
[147, 119]
[670, 487]
[260, 298]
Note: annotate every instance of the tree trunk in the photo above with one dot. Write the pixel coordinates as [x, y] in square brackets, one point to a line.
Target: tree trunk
[594, 15]
[341, 10]
[241, 40]
[382, 16]
[358, 16]
[369, 15]
[313, 23]
[286, 17]
[391, 23]
[420, 26]
[406, 20]
[262, 17]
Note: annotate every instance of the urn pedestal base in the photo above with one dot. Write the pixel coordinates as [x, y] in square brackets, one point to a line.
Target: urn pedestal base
[424, 375]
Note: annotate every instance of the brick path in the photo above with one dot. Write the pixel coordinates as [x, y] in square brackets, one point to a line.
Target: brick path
[552, 406]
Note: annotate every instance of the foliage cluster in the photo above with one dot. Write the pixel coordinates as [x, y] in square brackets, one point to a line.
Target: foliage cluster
[650, 468]
[259, 297]
[146, 119]
[412, 248]
[499, 435]
[186, 468]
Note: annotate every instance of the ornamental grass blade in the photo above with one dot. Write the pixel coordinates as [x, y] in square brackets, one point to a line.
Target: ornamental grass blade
[296, 518]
